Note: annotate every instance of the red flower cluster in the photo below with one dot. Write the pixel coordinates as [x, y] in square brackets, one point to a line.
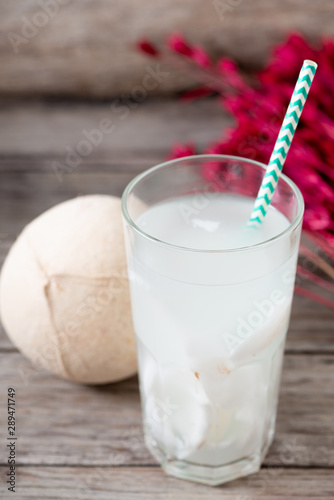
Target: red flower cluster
[259, 110]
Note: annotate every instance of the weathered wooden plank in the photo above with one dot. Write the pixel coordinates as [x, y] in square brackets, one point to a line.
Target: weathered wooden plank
[311, 327]
[60, 423]
[86, 49]
[147, 483]
[26, 195]
[144, 135]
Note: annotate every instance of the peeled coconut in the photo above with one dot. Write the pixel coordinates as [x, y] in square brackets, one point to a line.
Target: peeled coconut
[64, 294]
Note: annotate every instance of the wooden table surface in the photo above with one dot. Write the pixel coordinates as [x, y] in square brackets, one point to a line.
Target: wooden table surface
[77, 442]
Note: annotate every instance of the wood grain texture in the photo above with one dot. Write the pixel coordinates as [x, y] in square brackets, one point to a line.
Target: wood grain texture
[34, 133]
[147, 483]
[67, 424]
[87, 48]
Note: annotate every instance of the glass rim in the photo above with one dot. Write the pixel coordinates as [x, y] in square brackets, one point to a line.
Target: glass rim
[292, 225]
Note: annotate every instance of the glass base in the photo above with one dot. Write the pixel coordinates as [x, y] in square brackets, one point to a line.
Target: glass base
[211, 476]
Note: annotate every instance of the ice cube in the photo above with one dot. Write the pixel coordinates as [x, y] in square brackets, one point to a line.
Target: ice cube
[176, 411]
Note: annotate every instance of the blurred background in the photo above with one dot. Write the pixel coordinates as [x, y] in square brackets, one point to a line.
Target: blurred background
[79, 98]
[83, 111]
[84, 49]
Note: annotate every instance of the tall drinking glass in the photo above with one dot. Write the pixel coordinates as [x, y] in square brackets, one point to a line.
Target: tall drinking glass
[211, 303]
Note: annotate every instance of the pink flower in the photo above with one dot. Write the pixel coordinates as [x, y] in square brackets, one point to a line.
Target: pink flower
[200, 57]
[191, 95]
[147, 47]
[258, 110]
[180, 150]
[177, 43]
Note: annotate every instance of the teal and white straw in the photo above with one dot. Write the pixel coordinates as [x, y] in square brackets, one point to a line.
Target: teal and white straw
[283, 143]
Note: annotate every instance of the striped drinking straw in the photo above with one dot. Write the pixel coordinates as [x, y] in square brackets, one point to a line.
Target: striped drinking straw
[283, 143]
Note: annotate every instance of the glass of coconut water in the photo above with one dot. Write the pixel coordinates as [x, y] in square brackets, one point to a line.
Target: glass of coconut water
[211, 301]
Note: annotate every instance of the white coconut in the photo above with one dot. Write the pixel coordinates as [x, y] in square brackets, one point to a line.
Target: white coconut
[64, 295]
